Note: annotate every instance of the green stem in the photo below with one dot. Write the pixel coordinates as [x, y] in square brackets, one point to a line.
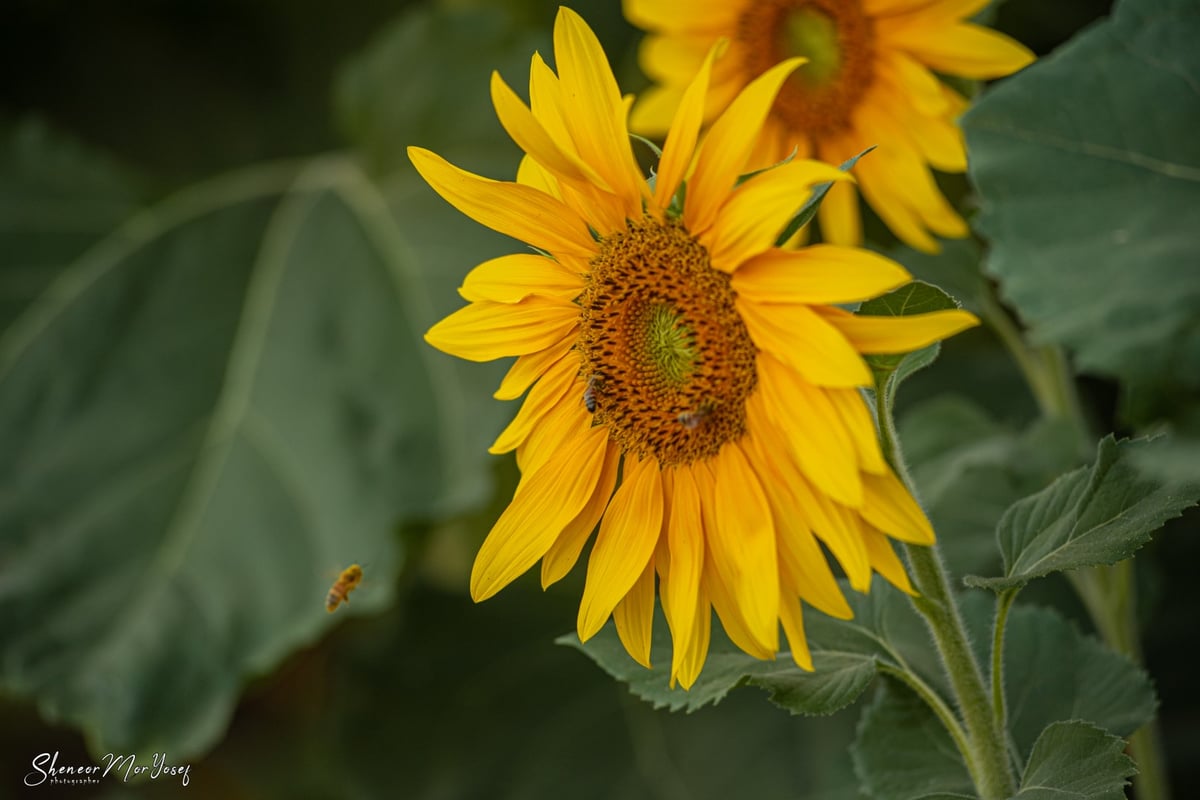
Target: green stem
[986, 753]
[1108, 593]
[937, 705]
[999, 705]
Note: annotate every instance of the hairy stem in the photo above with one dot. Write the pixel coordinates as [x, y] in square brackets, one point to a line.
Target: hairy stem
[999, 706]
[987, 755]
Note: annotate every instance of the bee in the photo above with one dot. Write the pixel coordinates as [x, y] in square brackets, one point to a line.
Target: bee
[345, 584]
[692, 419]
[589, 394]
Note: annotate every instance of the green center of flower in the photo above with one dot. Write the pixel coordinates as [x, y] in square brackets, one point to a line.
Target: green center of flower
[838, 39]
[810, 33]
[670, 345]
[668, 360]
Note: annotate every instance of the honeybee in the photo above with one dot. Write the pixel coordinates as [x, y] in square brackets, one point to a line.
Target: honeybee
[589, 394]
[345, 584]
[692, 419]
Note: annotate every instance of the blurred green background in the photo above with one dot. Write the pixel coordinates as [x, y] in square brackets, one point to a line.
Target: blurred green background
[320, 387]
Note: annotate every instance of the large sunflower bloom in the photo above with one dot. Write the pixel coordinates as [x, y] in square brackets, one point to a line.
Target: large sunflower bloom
[693, 392]
[870, 80]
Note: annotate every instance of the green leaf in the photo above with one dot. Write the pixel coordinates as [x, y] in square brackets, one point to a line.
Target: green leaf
[205, 417]
[1089, 171]
[846, 653]
[916, 297]
[904, 753]
[1094, 515]
[968, 469]
[1076, 760]
[956, 270]
[809, 209]
[1054, 672]
[57, 198]
[425, 81]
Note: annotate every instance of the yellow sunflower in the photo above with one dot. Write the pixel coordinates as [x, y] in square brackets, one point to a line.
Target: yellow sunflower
[693, 392]
[869, 80]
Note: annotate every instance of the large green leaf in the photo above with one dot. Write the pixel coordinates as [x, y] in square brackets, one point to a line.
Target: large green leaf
[969, 468]
[846, 654]
[1095, 515]
[1054, 672]
[205, 417]
[903, 753]
[57, 198]
[1089, 169]
[1076, 760]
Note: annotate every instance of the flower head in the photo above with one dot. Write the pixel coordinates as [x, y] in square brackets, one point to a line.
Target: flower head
[869, 80]
[690, 388]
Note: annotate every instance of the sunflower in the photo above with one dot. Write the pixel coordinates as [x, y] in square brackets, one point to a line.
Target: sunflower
[869, 80]
[691, 390]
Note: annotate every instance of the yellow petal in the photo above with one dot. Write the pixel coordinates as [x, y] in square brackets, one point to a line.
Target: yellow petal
[531, 173]
[800, 557]
[562, 555]
[519, 211]
[597, 121]
[902, 76]
[628, 534]
[544, 503]
[741, 536]
[687, 661]
[730, 614]
[528, 368]
[565, 421]
[758, 210]
[485, 331]
[510, 279]
[805, 341]
[890, 507]
[818, 274]
[869, 334]
[634, 617]
[550, 391]
[665, 58]
[965, 49]
[655, 110]
[885, 561]
[841, 221]
[898, 164]
[685, 540]
[680, 145]
[728, 145]
[530, 136]
[831, 522]
[812, 426]
[792, 617]
[858, 422]
[715, 15]
[888, 201]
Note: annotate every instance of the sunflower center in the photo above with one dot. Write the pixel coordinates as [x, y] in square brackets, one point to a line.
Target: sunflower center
[810, 33]
[669, 361]
[836, 37]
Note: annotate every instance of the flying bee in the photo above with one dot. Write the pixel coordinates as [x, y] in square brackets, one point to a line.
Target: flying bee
[692, 419]
[345, 584]
[589, 394]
